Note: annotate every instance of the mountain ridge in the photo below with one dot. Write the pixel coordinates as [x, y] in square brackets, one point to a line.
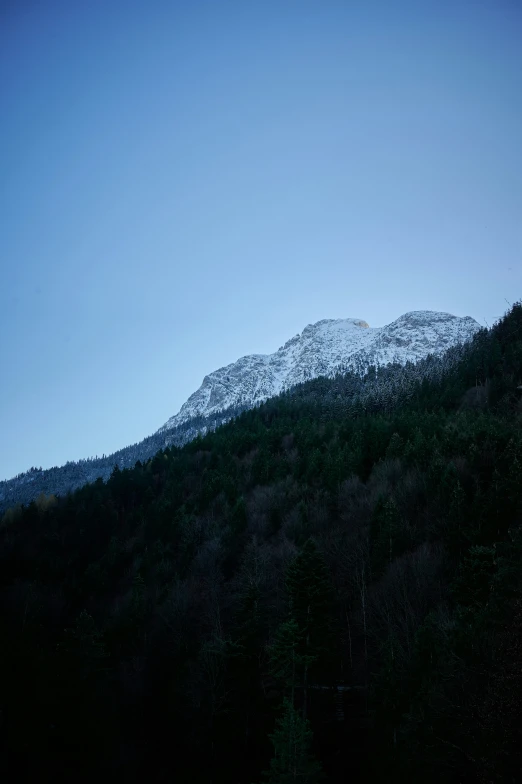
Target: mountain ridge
[320, 350]
[325, 348]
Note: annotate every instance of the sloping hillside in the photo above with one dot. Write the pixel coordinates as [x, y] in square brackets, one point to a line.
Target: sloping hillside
[335, 573]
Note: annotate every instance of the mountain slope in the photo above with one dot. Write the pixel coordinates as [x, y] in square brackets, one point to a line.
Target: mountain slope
[151, 622]
[324, 349]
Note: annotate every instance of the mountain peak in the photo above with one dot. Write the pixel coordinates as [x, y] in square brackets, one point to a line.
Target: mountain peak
[325, 348]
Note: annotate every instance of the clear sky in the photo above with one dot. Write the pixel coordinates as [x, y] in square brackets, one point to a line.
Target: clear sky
[183, 183]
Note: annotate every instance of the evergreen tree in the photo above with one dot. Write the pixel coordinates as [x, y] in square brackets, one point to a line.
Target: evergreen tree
[82, 647]
[389, 537]
[286, 662]
[310, 598]
[395, 447]
[292, 760]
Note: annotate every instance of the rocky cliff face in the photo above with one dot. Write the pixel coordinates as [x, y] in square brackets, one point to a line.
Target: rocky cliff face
[324, 349]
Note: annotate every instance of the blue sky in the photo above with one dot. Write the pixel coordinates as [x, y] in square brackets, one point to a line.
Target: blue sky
[185, 183]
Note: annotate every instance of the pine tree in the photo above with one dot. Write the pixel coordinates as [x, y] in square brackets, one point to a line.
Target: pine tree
[285, 661]
[138, 599]
[310, 596]
[395, 447]
[82, 648]
[292, 760]
[389, 538]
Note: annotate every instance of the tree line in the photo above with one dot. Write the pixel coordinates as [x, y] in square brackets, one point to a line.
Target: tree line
[368, 389]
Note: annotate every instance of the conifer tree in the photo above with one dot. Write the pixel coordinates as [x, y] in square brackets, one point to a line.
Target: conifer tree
[285, 660]
[82, 648]
[389, 537]
[310, 597]
[292, 760]
[395, 447]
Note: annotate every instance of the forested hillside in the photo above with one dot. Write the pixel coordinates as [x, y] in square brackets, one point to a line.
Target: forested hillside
[377, 389]
[60, 480]
[328, 588]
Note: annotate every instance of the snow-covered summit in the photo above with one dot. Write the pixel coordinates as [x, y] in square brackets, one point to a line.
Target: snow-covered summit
[324, 349]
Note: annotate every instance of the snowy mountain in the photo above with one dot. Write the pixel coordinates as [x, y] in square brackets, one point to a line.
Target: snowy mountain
[324, 349]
